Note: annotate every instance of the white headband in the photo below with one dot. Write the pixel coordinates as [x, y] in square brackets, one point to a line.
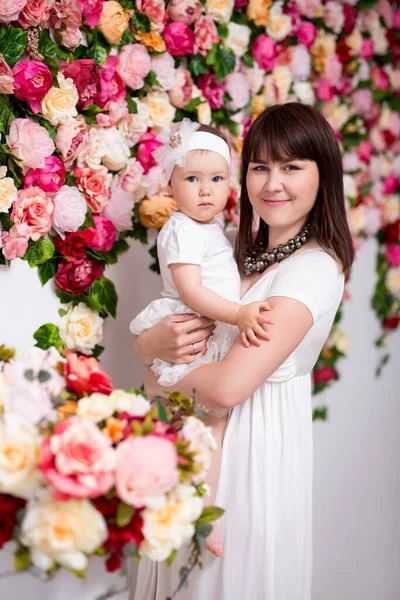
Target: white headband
[183, 139]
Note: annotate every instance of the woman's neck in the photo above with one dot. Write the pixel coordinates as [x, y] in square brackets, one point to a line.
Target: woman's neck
[281, 235]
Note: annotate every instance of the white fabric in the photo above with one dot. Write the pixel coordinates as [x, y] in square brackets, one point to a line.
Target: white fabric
[265, 483]
[183, 240]
[202, 140]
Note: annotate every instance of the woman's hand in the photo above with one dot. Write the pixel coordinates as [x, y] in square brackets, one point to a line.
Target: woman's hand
[179, 339]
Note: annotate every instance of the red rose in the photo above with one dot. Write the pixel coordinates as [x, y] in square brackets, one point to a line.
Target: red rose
[86, 76]
[350, 16]
[84, 375]
[113, 563]
[75, 275]
[9, 506]
[74, 243]
[343, 51]
[324, 374]
[391, 233]
[391, 323]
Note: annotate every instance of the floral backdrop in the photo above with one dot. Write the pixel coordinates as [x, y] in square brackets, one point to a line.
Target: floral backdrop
[87, 86]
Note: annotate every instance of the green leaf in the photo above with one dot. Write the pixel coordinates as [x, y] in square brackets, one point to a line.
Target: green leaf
[320, 413]
[22, 559]
[99, 48]
[162, 413]
[5, 109]
[40, 251]
[193, 104]
[132, 106]
[204, 529]
[127, 38]
[28, 374]
[125, 513]
[49, 127]
[248, 60]
[70, 179]
[62, 312]
[47, 270]
[239, 17]
[151, 80]
[5, 221]
[141, 22]
[171, 557]
[88, 222]
[97, 350]
[13, 44]
[80, 52]
[104, 294]
[223, 61]
[49, 49]
[223, 31]
[198, 65]
[209, 514]
[13, 166]
[48, 335]
[65, 297]
[43, 376]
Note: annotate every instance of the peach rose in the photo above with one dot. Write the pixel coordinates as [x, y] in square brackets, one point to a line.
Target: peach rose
[205, 34]
[181, 93]
[29, 142]
[96, 187]
[35, 209]
[258, 11]
[153, 41]
[114, 20]
[155, 211]
[70, 139]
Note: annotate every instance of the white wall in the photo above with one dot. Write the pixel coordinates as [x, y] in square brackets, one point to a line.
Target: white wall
[357, 481]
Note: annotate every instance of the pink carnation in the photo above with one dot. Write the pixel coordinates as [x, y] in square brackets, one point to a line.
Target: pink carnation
[307, 33]
[78, 460]
[51, 178]
[29, 142]
[147, 144]
[134, 65]
[117, 110]
[66, 20]
[179, 39]
[35, 13]
[103, 236]
[146, 469]
[205, 34]
[212, 90]
[10, 9]
[14, 243]
[264, 52]
[35, 209]
[237, 86]
[70, 139]
[184, 11]
[393, 255]
[91, 10]
[333, 70]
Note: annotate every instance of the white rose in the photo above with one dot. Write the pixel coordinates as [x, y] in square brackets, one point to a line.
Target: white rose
[167, 528]
[96, 407]
[62, 532]
[338, 339]
[279, 25]
[161, 111]
[350, 188]
[304, 92]
[391, 208]
[350, 162]
[381, 44]
[134, 404]
[19, 456]
[135, 125]
[255, 78]
[81, 328]
[283, 80]
[202, 442]
[93, 151]
[70, 209]
[204, 113]
[220, 10]
[59, 104]
[393, 281]
[356, 219]
[354, 41]
[8, 192]
[335, 113]
[117, 151]
[238, 38]
[334, 16]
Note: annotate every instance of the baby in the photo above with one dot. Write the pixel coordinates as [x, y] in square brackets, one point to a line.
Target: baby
[198, 269]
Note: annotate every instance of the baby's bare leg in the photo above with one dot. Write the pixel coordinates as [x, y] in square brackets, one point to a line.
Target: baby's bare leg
[218, 424]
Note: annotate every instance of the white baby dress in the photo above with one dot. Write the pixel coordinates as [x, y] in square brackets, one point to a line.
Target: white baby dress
[183, 240]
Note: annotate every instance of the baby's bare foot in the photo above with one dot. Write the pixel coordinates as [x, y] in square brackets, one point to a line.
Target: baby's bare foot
[213, 541]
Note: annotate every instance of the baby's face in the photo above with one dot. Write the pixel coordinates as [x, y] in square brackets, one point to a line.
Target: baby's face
[201, 187]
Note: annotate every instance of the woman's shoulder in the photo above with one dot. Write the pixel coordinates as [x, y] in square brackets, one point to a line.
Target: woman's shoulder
[315, 259]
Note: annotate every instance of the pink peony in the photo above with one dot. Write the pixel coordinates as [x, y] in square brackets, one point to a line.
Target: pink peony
[70, 139]
[212, 90]
[154, 9]
[35, 13]
[163, 65]
[179, 39]
[147, 144]
[393, 255]
[324, 91]
[237, 86]
[103, 236]
[91, 10]
[69, 209]
[86, 76]
[29, 142]
[240, 4]
[6, 78]
[111, 85]
[35, 209]
[78, 460]
[10, 9]
[365, 151]
[14, 243]
[75, 275]
[119, 209]
[390, 184]
[51, 178]
[367, 49]
[181, 93]
[134, 65]
[344, 86]
[307, 33]
[117, 110]
[66, 20]
[205, 34]
[95, 185]
[146, 469]
[264, 52]
[184, 11]
[32, 81]
[362, 101]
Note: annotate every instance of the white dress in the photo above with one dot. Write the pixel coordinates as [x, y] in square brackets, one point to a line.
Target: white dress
[265, 483]
[185, 241]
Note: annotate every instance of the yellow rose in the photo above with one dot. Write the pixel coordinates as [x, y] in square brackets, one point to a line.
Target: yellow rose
[153, 41]
[257, 11]
[59, 104]
[155, 211]
[114, 20]
[8, 193]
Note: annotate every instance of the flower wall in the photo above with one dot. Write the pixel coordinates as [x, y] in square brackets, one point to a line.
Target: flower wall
[87, 86]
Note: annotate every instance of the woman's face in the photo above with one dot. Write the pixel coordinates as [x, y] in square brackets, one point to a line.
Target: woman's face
[283, 193]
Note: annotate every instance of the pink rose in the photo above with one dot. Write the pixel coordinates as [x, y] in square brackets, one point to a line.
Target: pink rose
[393, 255]
[29, 142]
[324, 374]
[32, 81]
[333, 70]
[70, 139]
[91, 10]
[184, 11]
[134, 65]
[119, 208]
[181, 93]
[10, 9]
[111, 85]
[35, 209]
[264, 52]
[147, 144]
[324, 91]
[66, 20]
[390, 184]
[6, 78]
[205, 34]
[179, 39]
[307, 33]
[103, 236]
[117, 110]
[146, 469]
[154, 9]
[367, 49]
[51, 178]
[379, 78]
[386, 12]
[364, 151]
[362, 101]
[78, 460]
[95, 185]
[69, 210]
[237, 86]
[212, 90]
[163, 65]
[14, 243]
[131, 179]
[86, 76]
[35, 13]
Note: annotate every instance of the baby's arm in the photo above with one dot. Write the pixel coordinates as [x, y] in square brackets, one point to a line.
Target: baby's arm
[249, 319]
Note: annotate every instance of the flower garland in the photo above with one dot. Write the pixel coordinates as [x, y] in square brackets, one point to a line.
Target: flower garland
[86, 87]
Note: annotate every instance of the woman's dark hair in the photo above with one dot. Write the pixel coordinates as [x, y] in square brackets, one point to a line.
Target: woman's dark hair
[297, 131]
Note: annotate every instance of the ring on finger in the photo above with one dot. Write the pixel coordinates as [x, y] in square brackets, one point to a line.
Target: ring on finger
[194, 349]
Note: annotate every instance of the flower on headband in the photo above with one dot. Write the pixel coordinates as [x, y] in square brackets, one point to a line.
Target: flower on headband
[175, 146]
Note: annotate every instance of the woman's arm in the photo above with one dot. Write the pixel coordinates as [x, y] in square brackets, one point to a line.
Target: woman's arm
[232, 380]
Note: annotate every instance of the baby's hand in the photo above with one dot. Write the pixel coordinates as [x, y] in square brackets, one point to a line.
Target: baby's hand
[250, 322]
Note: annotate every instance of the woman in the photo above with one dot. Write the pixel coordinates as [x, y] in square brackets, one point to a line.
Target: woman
[292, 186]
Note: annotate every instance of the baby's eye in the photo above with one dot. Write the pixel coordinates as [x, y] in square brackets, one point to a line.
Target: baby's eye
[217, 178]
[192, 178]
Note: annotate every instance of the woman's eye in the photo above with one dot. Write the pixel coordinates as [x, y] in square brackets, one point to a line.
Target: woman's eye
[260, 168]
[291, 168]
[191, 178]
